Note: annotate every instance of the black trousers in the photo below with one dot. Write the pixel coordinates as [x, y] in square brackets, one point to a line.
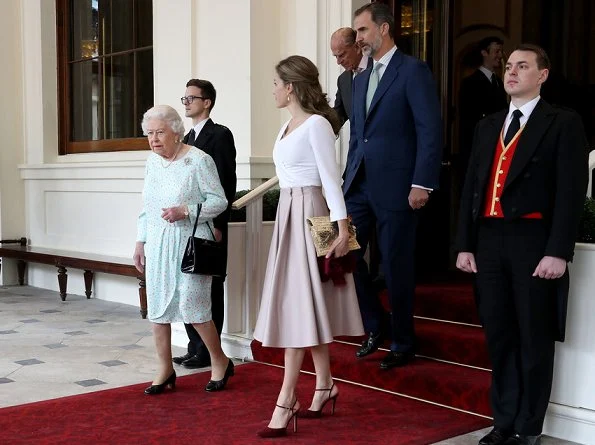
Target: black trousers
[518, 313]
[196, 345]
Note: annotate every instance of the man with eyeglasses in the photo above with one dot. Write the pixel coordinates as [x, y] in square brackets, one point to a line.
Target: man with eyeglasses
[217, 141]
[350, 57]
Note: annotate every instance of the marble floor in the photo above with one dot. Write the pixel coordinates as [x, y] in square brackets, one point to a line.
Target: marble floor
[50, 349]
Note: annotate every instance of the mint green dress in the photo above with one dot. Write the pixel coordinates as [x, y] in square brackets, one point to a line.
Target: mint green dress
[173, 296]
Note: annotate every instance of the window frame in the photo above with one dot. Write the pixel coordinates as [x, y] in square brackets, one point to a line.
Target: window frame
[65, 145]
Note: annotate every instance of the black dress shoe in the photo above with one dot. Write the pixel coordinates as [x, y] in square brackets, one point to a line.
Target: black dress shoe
[495, 437]
[219, 385]
[394, 359]
[197, 361]
[369, 345]
[181, 358]
[520, 439]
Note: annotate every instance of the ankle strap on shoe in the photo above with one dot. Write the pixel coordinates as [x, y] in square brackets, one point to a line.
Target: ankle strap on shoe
[326, 389]
[285, 407]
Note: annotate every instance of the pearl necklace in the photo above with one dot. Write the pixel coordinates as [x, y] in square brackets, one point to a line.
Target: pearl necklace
[174, 158]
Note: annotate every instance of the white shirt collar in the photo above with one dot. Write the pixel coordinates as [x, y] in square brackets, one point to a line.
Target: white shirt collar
[526, 109]
[363, 64]
[198, 127]
[384, 61]
[487, 72]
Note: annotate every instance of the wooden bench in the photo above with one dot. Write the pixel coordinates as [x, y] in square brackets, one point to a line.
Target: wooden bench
[63, 259]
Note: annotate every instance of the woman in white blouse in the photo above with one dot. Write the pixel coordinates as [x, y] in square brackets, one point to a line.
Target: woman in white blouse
[298, 310]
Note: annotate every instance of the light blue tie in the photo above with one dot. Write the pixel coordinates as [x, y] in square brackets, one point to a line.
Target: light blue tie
[372, 85]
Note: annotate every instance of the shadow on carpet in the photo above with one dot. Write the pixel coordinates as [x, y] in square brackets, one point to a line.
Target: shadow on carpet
[190, 415]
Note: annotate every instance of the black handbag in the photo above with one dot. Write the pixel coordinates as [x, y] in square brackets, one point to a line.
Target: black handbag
[204, 256]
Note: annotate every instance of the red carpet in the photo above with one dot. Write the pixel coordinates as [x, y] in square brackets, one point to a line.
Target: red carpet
[446, 341]
[190, 415]
[446, 301]
[456, 386]
[428, 377]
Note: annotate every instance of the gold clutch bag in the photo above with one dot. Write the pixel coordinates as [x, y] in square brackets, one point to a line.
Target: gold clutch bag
[324, 232]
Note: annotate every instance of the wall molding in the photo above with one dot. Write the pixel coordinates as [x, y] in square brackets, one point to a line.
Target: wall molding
[570, 423]
[254, 167]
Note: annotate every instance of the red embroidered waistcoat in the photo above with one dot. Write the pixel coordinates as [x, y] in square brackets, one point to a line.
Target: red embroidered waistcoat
[500, 167]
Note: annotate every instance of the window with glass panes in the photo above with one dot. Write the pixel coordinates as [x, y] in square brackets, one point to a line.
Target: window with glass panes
[105, 73]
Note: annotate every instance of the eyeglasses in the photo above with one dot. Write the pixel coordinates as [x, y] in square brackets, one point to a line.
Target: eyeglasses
[159, 133]
[189, 99]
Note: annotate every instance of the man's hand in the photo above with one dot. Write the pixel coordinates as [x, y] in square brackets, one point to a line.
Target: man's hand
[418, 198]
[139, 256]
[550, 268]
[466, 262]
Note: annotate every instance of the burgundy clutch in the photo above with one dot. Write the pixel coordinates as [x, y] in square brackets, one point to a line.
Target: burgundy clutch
[335, 268]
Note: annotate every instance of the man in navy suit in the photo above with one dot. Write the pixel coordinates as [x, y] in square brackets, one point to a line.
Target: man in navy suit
[393, 164]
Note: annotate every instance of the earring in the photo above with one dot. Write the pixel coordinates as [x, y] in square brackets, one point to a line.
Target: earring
[288, 98]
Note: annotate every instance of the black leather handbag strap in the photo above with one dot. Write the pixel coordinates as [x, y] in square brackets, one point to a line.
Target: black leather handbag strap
[199, 208]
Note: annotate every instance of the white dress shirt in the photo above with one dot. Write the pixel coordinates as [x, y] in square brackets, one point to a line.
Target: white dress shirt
[363, 64]
[487, 72]
[198, 127]
[385, 60]
[526, 109]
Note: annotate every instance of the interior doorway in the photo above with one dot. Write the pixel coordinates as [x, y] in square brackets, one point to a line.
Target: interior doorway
[445, 33]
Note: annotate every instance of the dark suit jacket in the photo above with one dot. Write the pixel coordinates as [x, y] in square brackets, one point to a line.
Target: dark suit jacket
[343, 99]
[343, 104]
[400, 139]
[217, 141]
[478, 98]
[548, 174]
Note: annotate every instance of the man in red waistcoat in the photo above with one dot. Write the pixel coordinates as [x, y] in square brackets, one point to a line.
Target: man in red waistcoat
[520, 208]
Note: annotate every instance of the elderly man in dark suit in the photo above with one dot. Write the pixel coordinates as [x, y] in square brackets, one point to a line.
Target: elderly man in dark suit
[520, 208]
[217, 141]
[393, 164]
[482, 93]
[349, 56]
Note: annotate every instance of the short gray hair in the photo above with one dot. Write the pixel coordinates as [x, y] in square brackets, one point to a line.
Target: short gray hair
[168, 115]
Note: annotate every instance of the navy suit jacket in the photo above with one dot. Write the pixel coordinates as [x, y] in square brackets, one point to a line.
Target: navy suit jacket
[400, 139]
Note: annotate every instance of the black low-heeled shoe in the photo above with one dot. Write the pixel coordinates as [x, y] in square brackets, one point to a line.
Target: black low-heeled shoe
[170, 382]
[218, 385]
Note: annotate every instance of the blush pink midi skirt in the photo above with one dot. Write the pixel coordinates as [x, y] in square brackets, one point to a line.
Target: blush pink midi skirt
[297, 309]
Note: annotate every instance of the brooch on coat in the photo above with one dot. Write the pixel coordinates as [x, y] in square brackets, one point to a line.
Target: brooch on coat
[187, 161]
